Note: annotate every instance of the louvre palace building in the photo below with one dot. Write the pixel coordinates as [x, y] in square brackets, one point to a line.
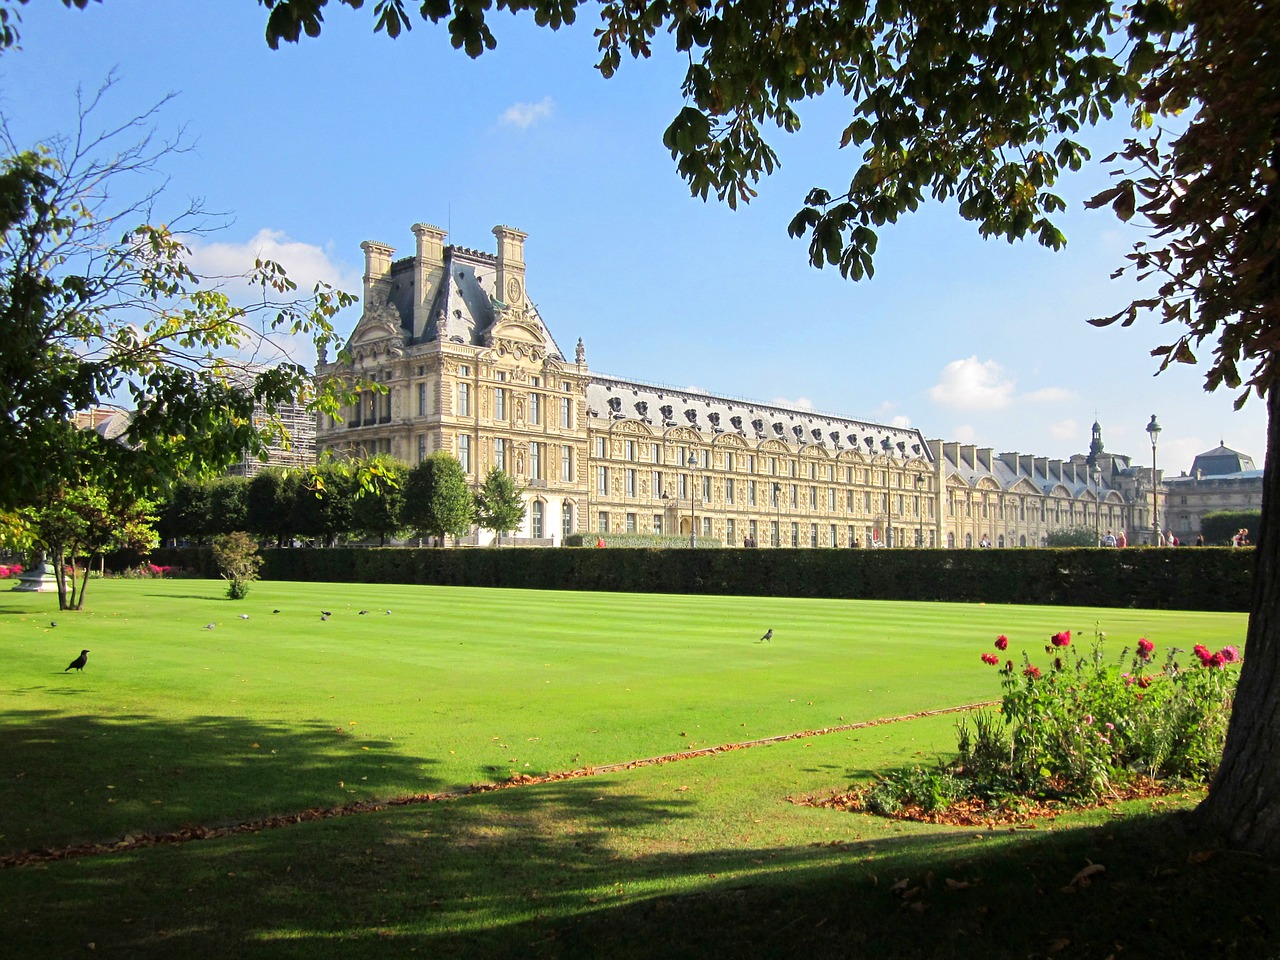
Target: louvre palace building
[470, 367]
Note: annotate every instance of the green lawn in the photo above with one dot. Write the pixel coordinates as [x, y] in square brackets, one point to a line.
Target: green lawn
[172, 724]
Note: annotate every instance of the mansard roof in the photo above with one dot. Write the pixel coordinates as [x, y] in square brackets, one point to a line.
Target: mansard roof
[662, 407]
[465, 307]
[1221, 460]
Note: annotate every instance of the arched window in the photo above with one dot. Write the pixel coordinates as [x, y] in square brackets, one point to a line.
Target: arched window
[968, 541]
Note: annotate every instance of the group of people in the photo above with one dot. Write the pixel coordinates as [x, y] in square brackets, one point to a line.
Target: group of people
[1240, 538]
[1110, 539]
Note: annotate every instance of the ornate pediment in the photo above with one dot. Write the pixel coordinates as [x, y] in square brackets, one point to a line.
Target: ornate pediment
[378, 333]
[631, 428]
[517, 325]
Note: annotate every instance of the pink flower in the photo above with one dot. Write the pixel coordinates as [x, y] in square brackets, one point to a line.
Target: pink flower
[1032, 672]
[1145, 647]
[1062, 639]
[990, 658]
[1215, 661]
[1002, 642]
[1229, 654]
[1088, 718]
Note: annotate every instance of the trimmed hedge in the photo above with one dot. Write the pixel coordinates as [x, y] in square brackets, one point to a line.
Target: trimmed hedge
[1184, 578]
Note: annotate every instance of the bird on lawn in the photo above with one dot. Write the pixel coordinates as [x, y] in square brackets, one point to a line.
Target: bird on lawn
[363, 612]
[326, 613]
[768, 635]
[79, 662]
[275, 611]
[244, 616]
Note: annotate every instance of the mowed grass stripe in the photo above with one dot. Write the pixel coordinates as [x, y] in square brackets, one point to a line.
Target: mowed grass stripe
[173, 724]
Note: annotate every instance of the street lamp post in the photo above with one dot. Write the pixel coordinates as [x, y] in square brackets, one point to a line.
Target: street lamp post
[1097, 506]
[693, 516]
[887, 446]
[1153, 430]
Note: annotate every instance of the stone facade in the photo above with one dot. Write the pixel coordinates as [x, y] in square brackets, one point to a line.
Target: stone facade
[1220, 480]
[465, 364]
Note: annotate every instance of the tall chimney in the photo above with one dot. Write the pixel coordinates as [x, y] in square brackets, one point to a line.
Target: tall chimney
[510, 265]
[428, 273]
[377, 271]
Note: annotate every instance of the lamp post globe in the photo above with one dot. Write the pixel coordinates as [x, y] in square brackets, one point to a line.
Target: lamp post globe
[1153, 431]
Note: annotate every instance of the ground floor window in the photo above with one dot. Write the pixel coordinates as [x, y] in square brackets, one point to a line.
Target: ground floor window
[602, 522]
[566, 519]
[535, 519]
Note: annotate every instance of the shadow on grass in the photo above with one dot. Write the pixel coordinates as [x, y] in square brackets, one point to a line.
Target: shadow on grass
[76, 778]
[587, 869]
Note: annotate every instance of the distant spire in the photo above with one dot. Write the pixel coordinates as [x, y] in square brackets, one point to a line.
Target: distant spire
[1095, 445]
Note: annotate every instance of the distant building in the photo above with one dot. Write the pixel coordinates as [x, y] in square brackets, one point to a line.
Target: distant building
[1220, 480]
[470, 367]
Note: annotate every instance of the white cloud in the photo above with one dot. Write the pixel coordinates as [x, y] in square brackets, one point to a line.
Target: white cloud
[802, 403]
[525, 115]
[223, 266]
[973, 384]
[964, 433]
[900, 421]
[305, 263]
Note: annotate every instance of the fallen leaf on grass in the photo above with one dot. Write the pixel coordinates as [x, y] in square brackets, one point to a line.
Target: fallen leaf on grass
[1084, 877]
[1055, 946]
[1200, 856]
[958, 884]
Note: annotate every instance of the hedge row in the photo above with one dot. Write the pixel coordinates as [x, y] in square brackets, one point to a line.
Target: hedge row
[1184, 578]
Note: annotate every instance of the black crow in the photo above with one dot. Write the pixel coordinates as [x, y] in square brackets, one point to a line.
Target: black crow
[79, 662]
[768, 635]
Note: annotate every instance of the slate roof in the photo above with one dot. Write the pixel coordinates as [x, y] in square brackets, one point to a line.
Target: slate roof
[662, 407]
[467, 301]
[1221, 460]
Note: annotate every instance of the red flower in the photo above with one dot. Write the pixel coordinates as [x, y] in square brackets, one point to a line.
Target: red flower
[1002, 642]
[1145, 647]
[1032, 672]
[1144, 682]
[990, 658]
[1062, 639]
[1215, 661]
[1202, 652]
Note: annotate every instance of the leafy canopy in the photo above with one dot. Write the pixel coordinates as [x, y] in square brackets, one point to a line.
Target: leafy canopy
[99, 303]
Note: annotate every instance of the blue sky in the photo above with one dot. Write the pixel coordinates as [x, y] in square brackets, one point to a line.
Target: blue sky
[314, 148]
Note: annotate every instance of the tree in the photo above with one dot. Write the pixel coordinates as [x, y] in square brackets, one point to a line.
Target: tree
[1220, 526]
[98, 301]
[378, 512]
[980, 103]
[84, 522]
[269, 505]
[1072, 537]
[185, 513]
[237, 558]
[437, 502]
[499, 505]
[323, 501]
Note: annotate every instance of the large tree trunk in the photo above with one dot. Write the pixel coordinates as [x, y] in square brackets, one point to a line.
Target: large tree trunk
[1244, 799]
